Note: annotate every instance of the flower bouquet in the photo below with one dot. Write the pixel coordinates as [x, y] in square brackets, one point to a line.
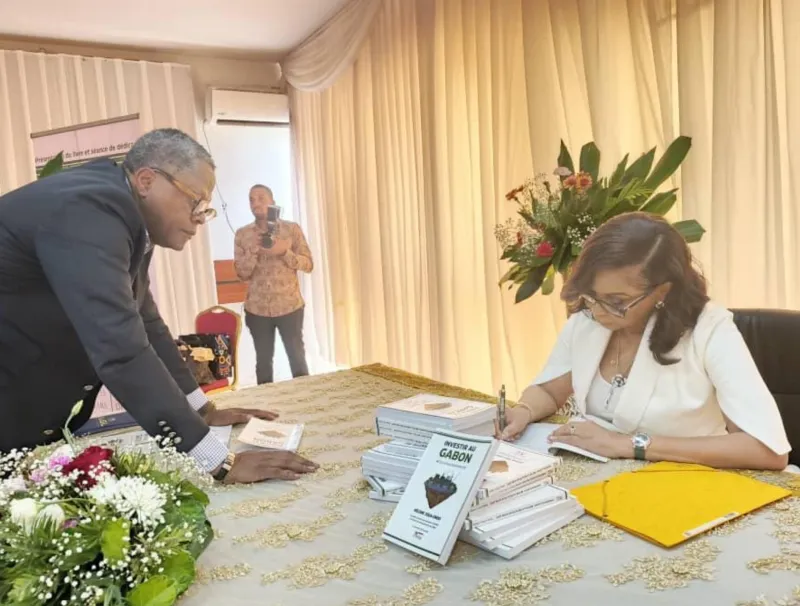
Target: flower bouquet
[556, 214]
[84, 524]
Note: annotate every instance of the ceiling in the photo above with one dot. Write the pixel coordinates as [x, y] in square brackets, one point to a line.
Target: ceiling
[269, 27]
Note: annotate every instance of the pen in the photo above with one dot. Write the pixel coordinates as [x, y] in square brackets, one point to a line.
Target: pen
[501, 409]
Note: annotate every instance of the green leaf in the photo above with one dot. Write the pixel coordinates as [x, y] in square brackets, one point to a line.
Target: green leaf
[669, 162]
[202, 539]
[180, 568]
[53, 166]
[616, 176]
[531, 284]
[507, 277]
[112, 541]
[590, 160]
[660, 204]
[690, 229]
[564, 159]
[159, 590]
[549, 281]
[575, 250]
[641, 167]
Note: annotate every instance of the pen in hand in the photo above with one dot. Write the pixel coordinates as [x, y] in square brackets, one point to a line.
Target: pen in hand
[501, 409]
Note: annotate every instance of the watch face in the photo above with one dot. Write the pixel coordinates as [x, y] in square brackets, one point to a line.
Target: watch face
[641, 440]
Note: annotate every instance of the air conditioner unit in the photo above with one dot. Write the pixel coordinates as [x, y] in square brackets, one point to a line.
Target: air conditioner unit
[223, 105]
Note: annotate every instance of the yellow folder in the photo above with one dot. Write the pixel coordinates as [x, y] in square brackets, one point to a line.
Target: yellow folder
[669, 503]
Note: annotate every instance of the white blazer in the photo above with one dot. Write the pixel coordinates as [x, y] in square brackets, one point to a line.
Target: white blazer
[716, 375]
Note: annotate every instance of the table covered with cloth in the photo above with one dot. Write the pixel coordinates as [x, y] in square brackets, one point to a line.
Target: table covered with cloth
[318, 540]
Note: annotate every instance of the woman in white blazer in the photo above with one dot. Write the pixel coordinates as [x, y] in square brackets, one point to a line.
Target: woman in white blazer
[657, 371]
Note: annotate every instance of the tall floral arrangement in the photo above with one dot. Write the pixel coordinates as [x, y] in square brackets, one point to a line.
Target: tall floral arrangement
[557, 213]
[85, 524]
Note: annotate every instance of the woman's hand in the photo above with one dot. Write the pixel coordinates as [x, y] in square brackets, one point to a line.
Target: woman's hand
[590, 436]
[517, 419]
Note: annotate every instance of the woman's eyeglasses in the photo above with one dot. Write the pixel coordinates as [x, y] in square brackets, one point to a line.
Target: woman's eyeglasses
[201, 207]
[615, 309]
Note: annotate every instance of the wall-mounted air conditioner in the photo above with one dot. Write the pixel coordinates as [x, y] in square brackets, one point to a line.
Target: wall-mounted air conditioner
[224, 105]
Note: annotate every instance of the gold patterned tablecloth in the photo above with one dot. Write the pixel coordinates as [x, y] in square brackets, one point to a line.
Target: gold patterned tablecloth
[317, 540]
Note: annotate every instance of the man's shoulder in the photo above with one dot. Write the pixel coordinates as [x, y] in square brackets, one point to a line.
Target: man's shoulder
[246, 229]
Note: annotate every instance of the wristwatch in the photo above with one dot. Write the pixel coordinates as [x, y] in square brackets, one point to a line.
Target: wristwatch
[220, 475]
[640, 443]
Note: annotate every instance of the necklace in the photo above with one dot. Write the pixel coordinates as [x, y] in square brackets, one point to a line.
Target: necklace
[619, 379]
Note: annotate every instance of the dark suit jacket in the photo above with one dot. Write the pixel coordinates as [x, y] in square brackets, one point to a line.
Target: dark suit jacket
[76, 311]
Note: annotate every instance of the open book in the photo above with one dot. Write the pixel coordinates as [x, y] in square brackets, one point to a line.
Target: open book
[535, 438]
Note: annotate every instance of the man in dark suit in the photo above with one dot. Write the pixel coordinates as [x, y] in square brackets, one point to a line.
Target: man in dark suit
[76, 310]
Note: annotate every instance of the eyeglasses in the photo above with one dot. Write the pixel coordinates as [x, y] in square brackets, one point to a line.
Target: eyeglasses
[615, 309]
[201, 207]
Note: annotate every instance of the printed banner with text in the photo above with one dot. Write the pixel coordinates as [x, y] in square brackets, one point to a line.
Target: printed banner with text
[84, 142]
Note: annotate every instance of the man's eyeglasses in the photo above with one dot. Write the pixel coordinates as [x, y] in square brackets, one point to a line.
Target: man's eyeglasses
[201, 207]
[615, 309]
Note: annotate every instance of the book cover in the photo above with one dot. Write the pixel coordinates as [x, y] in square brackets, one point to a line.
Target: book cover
[437, 499]
[271, 435]
[438, 406]
[513, 466]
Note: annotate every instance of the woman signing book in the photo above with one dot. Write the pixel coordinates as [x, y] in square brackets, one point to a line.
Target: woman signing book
[647, 351]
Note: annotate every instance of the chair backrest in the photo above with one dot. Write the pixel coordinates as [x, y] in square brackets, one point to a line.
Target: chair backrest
[222, 321]
[773, 338]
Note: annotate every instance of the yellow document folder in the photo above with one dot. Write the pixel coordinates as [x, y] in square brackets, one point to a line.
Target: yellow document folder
[669, 503]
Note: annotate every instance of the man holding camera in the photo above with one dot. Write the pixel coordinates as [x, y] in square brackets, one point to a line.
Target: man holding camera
[268, 253]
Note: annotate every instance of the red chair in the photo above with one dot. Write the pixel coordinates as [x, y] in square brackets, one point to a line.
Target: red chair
[218, 320]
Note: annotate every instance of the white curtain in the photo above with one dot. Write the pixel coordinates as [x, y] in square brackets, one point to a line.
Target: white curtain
[404, 161]
[319, 61]
[41, 92]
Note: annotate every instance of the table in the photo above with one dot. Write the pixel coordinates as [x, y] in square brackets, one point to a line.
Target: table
[317, 540]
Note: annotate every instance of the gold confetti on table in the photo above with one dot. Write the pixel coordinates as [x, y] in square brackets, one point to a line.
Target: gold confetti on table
[584, 533]
[660, 573]
[462, 552]
[357, 492]
[250, 508]
[519, 586]
[280, 535]
[418, 594]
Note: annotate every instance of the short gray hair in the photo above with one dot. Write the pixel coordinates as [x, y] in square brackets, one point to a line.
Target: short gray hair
[167, 148]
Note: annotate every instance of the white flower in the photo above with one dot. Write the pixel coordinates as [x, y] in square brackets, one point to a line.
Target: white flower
[23, 513]
[131, 496]
[54, 513]
[562, 171]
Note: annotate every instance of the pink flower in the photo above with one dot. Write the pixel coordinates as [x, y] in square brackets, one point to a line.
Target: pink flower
[584, 181]
[38, 475]
[571, 182]
[545, 249]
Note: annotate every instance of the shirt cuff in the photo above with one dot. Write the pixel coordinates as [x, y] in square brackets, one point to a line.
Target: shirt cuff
[209, 452]
[197, 399]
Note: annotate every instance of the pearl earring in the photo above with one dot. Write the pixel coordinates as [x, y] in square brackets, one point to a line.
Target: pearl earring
[660, 305]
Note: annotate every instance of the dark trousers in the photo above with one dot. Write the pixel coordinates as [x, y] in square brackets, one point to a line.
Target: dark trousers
[263, 330]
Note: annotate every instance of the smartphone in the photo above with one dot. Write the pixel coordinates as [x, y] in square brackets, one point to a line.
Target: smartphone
[273, 213]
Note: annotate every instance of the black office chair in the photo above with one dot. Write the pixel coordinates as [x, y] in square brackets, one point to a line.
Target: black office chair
[773, 338]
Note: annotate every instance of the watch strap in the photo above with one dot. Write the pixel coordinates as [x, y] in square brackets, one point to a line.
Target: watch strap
[226, 466]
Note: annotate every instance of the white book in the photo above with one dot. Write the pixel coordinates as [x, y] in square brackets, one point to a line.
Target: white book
[496, 532]
[536, 434]
[533, 499]
[524, 538]
[271, 435]
[389, 497]
[428, 411]
[432, 510]
[384, 486]
[514, 467]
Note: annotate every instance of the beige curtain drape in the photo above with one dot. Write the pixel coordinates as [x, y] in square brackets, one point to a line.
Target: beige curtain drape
[405, 160]
[319, 61]
[41, 92]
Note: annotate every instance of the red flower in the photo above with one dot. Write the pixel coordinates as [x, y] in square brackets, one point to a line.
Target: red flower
[584, 181]
[513, 193]
[91, 463]
[545, 249]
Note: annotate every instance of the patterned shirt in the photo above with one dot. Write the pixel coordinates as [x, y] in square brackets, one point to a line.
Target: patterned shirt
[273, 289]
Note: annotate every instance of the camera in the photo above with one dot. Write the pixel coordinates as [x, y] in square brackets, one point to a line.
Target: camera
[273, 215]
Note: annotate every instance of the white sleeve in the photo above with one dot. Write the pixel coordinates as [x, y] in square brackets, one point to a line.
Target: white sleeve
[560, 361]
[741, 392]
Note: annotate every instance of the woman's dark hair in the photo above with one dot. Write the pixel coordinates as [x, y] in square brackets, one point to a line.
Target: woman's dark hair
[650, 241]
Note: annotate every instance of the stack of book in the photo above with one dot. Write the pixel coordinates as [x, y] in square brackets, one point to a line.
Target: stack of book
[415, 419]
[515, 504]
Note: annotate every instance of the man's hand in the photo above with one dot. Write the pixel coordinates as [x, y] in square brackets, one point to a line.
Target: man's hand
[590, 436]
[256, 466]
[278, 248]
[237, 416]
